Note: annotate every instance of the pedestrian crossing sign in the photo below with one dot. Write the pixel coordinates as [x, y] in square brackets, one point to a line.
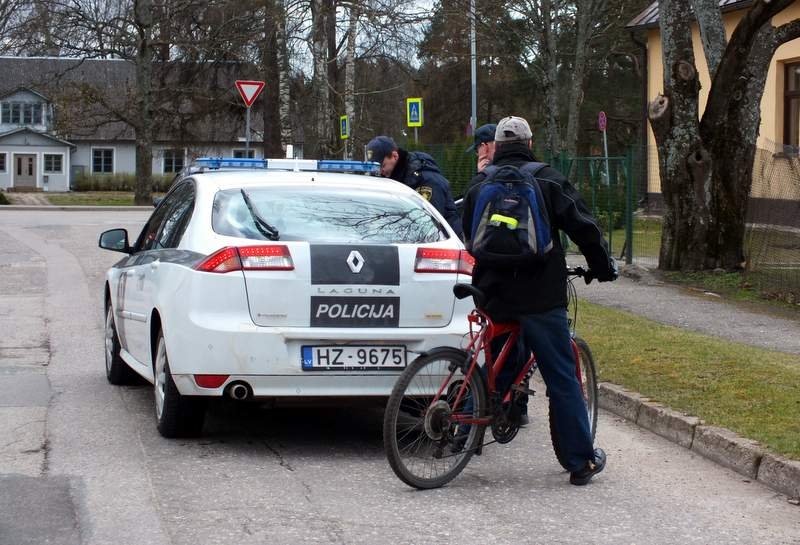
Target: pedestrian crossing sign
[344, 127]
[414, 112]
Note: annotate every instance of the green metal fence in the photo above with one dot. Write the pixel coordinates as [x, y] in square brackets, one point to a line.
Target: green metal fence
[606, 184]
[616, 191]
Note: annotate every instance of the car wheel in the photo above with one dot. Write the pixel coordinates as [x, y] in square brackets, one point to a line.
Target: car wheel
[176, 415]
[117, 371]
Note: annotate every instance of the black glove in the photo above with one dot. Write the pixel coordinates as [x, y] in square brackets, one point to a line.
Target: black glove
[610, 274]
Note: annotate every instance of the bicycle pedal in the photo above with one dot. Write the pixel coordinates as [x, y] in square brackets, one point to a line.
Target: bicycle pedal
[522, 389]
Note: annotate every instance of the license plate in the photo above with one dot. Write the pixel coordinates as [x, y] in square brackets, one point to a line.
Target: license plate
[330, 358]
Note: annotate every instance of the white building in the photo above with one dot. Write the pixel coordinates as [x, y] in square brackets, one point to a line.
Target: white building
[54, 128]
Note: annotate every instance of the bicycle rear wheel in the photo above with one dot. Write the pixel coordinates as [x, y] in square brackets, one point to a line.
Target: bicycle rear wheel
[425, 448]
[588, 382]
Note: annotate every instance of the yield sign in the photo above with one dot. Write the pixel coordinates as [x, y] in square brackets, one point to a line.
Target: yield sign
[249, 90]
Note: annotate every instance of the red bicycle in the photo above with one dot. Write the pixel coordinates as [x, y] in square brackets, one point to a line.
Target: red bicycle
[441, 405]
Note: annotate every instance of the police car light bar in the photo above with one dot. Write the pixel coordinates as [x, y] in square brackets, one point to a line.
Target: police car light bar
[327, 165]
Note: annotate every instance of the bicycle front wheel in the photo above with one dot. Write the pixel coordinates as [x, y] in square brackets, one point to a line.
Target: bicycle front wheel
[587, 378]
[425, 445]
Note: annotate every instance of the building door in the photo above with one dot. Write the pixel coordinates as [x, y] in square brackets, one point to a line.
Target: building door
[24, 170]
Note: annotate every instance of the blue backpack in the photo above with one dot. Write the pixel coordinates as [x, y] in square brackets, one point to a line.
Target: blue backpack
[510, 223]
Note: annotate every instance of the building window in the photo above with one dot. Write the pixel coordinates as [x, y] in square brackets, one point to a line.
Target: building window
[791, 105]
[53, 163]
[244, 154]
[18, 113]
[173, 160]
[2, 162]
[102, 161]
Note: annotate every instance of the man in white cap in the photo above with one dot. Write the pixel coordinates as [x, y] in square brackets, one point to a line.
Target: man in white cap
[536, 295]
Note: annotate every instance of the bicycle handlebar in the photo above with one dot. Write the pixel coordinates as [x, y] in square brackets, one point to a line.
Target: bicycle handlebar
[586, 274]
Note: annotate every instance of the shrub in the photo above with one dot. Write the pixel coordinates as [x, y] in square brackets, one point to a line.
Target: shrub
[118, 182]
[4, 199]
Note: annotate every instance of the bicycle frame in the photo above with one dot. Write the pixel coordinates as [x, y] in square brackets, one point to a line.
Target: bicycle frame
[482, 331]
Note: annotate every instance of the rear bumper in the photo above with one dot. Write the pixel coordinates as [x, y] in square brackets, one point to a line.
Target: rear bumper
[316, 384]
[269, 360]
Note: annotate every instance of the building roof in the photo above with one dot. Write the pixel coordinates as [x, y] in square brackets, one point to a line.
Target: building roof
[42, 134]
[649, 17]
[85, 93]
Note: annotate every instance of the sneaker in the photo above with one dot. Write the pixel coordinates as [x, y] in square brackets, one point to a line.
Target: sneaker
[592, 468]
[524, 420]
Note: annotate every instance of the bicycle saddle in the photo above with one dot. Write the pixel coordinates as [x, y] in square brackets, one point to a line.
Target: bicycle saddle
[462, 291]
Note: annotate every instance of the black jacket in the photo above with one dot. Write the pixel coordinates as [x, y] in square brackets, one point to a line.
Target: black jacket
[516, 292]
[420, 172]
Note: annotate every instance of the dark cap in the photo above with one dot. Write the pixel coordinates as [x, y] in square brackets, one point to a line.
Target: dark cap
[379, 147]
[483, 135]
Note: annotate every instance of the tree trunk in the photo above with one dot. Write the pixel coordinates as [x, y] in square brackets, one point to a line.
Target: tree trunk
[143, 128]
[350, 76]
[684, 162]
[733, 146]
[321, 88]
[284, 93]
[587, 13]
[550, 80]
[706, 167]
[269, 61]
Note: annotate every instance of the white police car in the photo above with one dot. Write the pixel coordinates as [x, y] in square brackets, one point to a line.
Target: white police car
[279, 279]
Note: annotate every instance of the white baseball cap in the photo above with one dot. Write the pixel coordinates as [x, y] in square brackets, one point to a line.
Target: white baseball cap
[512, 129]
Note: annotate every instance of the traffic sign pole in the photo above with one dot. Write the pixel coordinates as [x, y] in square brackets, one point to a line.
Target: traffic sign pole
[602, 122]
[247, 135]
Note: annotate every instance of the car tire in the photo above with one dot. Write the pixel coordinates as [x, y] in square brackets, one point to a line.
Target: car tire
[117, 371]
[176, 415]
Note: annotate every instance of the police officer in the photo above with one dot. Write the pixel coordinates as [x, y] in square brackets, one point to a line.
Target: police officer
[417, 170]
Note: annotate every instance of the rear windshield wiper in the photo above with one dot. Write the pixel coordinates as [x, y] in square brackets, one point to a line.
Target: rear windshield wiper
[261, 224]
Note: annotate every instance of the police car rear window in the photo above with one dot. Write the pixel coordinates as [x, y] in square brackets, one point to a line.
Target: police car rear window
[327, 215]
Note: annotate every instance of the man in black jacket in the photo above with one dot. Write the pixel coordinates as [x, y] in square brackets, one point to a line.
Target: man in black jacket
[417, 170]
[536, 296]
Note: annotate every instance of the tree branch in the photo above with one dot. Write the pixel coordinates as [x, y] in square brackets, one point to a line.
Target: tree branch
[712, 31]
[788, 32]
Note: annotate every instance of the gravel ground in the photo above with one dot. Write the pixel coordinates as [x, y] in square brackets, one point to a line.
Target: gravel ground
[640, 292]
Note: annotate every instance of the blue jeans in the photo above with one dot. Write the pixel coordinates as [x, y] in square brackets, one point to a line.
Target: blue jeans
[548, 334]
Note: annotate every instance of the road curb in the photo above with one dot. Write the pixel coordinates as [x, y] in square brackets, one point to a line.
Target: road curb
[720, 445]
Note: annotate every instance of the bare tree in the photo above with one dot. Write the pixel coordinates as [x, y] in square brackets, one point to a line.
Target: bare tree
[706, 163]
[589, 19]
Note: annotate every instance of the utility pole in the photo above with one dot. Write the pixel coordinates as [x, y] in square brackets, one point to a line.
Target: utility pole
[473, 120]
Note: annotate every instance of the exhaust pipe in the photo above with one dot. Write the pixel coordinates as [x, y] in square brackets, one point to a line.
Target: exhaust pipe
[239, 391]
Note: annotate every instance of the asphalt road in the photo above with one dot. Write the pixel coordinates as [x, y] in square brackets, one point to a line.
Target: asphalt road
[81, 461]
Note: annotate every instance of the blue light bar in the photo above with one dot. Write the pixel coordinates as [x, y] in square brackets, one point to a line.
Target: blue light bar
[327, 165]
[220, 162]
[332, 165]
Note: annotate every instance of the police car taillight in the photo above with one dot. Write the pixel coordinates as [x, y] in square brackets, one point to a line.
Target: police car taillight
[440, 260]
[273, 257]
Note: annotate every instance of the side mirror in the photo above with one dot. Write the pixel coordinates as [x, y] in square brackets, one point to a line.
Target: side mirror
[115, 240]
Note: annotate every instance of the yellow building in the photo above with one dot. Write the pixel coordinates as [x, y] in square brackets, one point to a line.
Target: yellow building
[779, 133]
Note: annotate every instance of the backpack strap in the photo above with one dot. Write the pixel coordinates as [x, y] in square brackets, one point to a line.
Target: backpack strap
[533, 168]
[489, 170]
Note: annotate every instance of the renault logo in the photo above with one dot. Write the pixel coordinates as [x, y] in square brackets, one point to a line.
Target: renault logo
[355, 261]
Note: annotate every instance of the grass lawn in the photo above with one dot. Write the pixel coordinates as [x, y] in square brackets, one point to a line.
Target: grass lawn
[752, 391]
[94, 198]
